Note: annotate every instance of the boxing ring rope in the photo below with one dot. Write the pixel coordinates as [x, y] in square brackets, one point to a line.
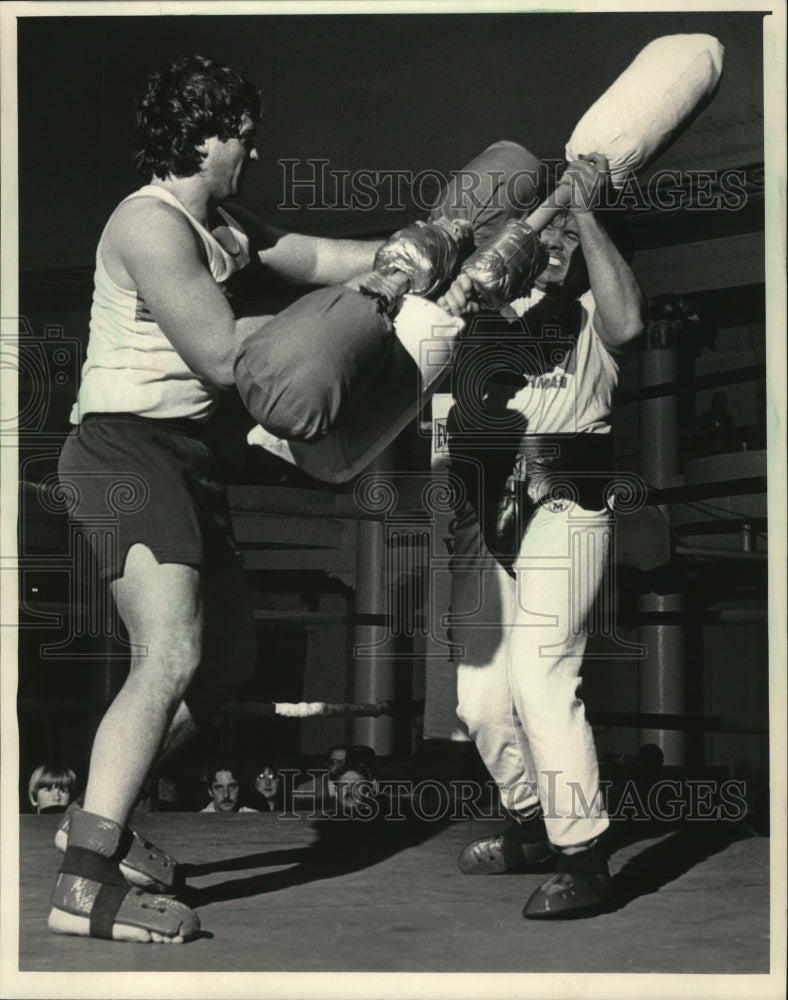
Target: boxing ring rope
[312, 709]
[252, 501]
[322, 709]
[317, 504]
[315, 709]
[713, 380]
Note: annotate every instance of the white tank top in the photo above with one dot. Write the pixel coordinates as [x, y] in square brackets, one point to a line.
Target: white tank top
[574, 394]
[131, 366]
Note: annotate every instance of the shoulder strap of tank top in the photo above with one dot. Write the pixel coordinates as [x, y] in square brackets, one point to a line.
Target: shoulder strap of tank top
[154, 191]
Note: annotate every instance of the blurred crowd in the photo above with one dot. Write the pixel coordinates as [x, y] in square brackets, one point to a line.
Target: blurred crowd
[336, 784]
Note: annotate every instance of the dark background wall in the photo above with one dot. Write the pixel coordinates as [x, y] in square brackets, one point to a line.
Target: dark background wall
[378, 92]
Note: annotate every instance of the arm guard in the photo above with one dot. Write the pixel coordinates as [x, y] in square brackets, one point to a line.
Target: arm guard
[427, 253]
[504, 268]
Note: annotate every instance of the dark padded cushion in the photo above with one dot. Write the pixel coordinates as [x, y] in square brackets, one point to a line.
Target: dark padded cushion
[297, 373]
[503, 182]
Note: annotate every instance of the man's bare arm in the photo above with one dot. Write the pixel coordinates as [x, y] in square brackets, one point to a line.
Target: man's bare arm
[620, 306]
[306, 260]
[159, 251]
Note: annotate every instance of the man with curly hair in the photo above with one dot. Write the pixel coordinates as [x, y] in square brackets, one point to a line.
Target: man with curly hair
[163, 343]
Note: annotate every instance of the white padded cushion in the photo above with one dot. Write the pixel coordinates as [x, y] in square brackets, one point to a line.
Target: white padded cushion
[650, 102]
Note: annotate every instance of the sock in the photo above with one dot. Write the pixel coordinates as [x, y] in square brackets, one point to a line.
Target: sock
[528, 827]
[578, 848]
[526, 816]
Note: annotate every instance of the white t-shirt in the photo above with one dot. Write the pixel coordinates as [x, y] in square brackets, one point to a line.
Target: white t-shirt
[571, 385]
[211, 808]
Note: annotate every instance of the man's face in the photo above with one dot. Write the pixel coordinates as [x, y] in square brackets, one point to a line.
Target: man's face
[352, 790]
[225, 165]
[335, 760]
[52, 796]
[566, 269]
[225, 791]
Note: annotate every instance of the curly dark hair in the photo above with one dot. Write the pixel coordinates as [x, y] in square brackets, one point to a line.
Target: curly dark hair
[186, 102]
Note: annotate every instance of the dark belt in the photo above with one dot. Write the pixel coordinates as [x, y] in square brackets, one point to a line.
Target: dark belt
[506, 485]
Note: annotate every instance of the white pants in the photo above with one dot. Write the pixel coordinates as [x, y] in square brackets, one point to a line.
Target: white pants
[522, 642]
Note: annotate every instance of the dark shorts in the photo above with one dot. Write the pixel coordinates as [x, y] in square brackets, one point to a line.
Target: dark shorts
[131, 479]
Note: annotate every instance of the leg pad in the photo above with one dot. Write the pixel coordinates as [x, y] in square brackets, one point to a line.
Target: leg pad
[142, 863]
[91, 897]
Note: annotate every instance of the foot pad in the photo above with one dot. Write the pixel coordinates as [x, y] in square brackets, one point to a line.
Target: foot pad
[91, 897]
[86, 908]
[143, 864]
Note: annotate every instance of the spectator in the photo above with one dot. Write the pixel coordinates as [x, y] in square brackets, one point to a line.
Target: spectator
[355, 791]
[224, 787]
[167, 794]
[359, 753]
[268, 789]
[335, 758]
[51, 788]
[318, 791]
[160, 794]
[714, 431]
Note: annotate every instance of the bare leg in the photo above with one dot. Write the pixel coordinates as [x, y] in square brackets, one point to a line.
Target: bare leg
[161, 606]
[229, 654]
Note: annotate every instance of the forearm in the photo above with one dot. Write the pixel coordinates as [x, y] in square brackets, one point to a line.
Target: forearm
[338, 260]
[315, 260]
[619, 300]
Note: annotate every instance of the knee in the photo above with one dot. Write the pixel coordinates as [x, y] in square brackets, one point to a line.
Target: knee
[470, 718]
[547, 699]
[479, 713]
[169, 660]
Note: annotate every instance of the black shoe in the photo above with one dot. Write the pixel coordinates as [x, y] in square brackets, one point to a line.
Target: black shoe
[581, 887]
[522, 847]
